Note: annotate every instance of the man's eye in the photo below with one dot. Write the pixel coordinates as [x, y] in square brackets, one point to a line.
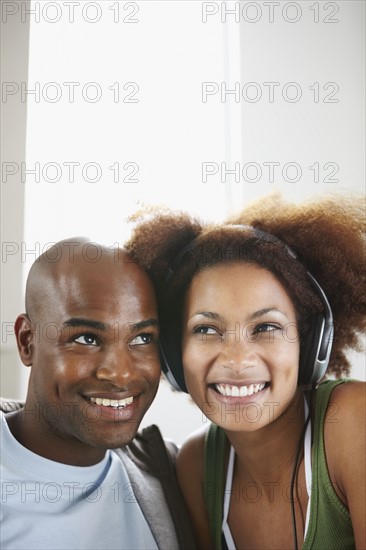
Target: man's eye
[141, 339]
[86, 340]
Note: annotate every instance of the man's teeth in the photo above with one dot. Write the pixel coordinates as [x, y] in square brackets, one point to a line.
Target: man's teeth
[238, 391]
[115, 403]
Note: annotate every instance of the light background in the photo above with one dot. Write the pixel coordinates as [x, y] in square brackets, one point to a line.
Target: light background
[205, 106]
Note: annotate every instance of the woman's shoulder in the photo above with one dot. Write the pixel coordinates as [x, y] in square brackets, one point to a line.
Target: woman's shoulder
[345, 443]
[345, 414]
[190, 470]
[344, 431]
[192, 450]
[346, 402]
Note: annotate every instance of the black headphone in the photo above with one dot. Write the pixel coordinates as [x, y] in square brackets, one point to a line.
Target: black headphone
[315, 350]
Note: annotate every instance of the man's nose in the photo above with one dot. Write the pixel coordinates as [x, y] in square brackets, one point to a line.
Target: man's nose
[117, 366]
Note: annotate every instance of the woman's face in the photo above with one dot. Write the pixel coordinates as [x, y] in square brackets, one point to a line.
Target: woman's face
[240, 346]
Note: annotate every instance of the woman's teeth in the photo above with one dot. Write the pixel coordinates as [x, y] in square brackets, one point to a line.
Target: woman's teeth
[115, 403]
[238, 391]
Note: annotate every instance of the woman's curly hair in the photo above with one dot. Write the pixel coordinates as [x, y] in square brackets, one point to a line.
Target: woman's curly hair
[326, 234]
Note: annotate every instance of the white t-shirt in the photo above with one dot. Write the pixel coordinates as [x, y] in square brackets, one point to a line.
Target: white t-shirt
[53, 506]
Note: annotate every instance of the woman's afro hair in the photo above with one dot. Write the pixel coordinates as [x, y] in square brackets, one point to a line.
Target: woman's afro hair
[326, 233]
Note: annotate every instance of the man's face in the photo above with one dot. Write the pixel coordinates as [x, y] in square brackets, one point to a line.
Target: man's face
[94, 356]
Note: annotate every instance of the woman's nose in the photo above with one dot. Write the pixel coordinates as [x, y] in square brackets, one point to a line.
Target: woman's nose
[238, 352]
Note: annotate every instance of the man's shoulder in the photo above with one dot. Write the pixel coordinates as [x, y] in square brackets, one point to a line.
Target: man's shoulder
[149, 461]
[150, 464]
[10, 405]
[151, 452]
[147, 444]
[148, 450]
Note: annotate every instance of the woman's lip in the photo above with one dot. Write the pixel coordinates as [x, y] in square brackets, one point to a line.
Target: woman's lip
[239, 398]
[238, 383]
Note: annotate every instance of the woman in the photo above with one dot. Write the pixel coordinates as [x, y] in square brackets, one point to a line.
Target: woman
[247, 311]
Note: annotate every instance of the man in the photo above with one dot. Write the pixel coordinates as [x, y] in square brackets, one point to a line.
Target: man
[90, 337]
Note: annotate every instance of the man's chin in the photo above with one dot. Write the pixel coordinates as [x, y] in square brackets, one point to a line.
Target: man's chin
[117, 440]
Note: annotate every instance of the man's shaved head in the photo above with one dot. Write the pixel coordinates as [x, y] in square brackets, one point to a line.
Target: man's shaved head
[57, 265]
[90, 335]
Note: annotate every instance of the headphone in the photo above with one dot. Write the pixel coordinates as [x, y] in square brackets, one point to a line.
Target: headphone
[316, 346]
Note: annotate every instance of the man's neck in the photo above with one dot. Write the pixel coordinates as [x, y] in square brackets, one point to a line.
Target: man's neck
[47, 445]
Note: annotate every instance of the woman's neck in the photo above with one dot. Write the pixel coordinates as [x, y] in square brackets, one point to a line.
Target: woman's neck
[269, 454]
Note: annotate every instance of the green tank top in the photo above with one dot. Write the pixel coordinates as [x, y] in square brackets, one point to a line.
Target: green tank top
[330, 524]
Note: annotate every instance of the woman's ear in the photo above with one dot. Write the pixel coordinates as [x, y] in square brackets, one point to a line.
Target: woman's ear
[24, 336]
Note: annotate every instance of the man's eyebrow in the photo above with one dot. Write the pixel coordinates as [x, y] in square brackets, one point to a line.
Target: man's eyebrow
[143, 324]
[81, 322]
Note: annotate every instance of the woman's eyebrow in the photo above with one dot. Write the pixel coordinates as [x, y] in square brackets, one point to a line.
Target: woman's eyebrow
[264, 311]
[209, 315]
[257, 314]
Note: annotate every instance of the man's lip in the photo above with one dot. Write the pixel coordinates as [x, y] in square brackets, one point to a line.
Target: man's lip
[115, 407]
[115, 403]
[113, 396]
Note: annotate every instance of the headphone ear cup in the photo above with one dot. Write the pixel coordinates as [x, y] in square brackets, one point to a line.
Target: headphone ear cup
[171, 358]
[309, 351]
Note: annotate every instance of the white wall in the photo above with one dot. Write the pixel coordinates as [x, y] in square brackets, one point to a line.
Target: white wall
[14, 69]
[319, 48]
[172, 122]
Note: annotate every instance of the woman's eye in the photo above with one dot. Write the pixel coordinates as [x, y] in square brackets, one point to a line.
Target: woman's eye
[141, 339]
[86, 340]
[265, 327]
[203, 329]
